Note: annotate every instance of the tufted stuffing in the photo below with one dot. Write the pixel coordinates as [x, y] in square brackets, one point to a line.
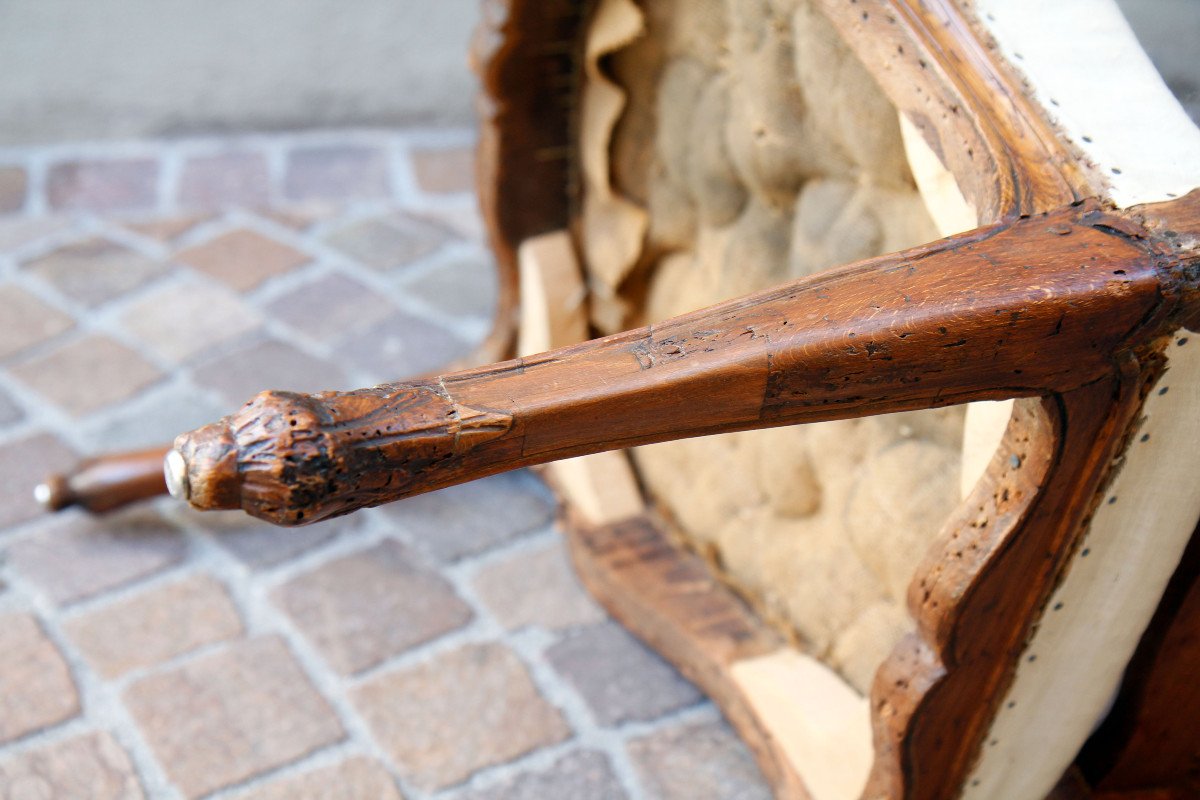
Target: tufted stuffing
[760, 151]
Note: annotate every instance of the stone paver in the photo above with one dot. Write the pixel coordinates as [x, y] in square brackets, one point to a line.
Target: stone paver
[88, 767]
[702, 761]
[223, 180]
[87, 374]
[27, 321]
[468, 709]
[167, 229]
[536, 587]
[450, 169]
[386, 243]
[363, 608]
[95, 270]
[331, 308]
[460, 288]
[243, 258]
[466, 520]
[24, 462]
[336, 173]
[14, 184]
[268, 364]
[72, 556]
[402, 346]
[579, 776]
[113, 186]
[620, 679]
[260, 545]
[17, 231]
[36, 689]
[352, 779]
[155, 626]
[300, 217]
[155, 417]
[231, 715]
[10, 411]
[182, 321]
[462, 222]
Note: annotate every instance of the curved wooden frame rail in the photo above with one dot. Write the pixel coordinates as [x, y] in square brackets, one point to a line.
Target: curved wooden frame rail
[1058, 300]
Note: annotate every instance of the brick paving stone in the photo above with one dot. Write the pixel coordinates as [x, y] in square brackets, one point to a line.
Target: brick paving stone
[155, 626]
[468, 519]
[14, 184]
[153, 418]
[620, 678]
[451, 716]
[260, 545]
[330, 308]
[18, 231]
[402, 346]
[352, 779]
[167, 229]
[536, 588]
[87, 374]
[182, 321]
[268, 364]
[462, 221]
[27, 321]
[386, 243]
[24, 463]
[36, 689]
[72, 556]
[366, 607]
[103, 186]
[10, 411]
[299, 217]
[701, 761]
[336, 173]
[243, 258]
[223, 180]
[462, 288]
[88, 767]
[95, 270]
[445, 169]
[231, 715]
[585, 775]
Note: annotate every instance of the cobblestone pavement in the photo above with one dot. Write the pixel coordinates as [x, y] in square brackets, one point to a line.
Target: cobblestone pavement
[437, 648]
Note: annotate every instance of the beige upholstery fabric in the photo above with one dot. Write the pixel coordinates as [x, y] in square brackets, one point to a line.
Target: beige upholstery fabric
[763, 152]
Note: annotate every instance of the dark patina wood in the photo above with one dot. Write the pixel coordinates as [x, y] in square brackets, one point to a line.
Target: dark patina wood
[526, 54]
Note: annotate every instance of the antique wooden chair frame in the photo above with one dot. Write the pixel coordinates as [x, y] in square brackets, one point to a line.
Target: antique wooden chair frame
[1056, 298]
